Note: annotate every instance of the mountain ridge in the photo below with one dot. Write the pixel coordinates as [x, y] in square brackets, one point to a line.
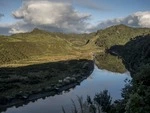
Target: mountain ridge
[39, 45]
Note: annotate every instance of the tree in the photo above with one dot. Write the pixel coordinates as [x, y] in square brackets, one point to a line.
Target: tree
[104, 100]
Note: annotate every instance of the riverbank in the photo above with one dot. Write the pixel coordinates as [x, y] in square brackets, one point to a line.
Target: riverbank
[136, 57]
[24, 84]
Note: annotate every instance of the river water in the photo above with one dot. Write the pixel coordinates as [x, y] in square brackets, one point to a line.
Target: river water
[99, 80]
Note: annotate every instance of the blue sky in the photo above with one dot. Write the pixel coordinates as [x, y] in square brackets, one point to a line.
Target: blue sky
[95, 13]
[7, 7]
[116, 8]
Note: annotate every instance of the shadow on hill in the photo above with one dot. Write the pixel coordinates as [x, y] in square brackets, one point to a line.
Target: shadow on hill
[134, 53]
[28, 83]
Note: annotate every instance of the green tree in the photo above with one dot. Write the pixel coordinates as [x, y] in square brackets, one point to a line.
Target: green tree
[104, 100]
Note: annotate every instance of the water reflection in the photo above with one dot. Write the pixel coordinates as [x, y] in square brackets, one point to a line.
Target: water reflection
[99, 80]
[109, 62]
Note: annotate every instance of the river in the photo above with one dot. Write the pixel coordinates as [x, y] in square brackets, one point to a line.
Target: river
[99, 80]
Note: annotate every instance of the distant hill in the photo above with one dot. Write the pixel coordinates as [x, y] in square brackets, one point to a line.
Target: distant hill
[118, 35]
[39, 44]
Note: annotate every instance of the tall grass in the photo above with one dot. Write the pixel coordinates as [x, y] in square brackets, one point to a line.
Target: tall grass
[100, 104]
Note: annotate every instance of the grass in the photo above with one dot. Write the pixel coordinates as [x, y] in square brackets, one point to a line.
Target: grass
[36, 77]
[102, 103]
[118, 35]
[109, 62]
[39, 59]
[40, 46]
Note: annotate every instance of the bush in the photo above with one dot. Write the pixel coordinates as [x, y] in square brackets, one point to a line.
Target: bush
[104, 100]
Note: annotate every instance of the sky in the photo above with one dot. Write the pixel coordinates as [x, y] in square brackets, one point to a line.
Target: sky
[71, 16]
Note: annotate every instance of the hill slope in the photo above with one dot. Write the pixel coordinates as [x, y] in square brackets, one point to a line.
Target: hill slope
[136, 58]
[118, 35]
[42, 46]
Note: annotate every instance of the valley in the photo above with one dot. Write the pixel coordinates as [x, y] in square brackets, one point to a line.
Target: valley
[39, 61]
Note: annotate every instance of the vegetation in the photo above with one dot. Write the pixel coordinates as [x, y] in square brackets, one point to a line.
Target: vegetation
[40, 45]
[136, 94]
[118, 35]
[109, 62]
[32, 61]
[100, 104]
[22, 82]
[136, 57]
[135, 53]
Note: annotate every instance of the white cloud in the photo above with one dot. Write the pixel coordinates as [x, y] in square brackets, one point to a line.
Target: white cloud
[20, 27]
[4, 28]
[47, 14]
[138, 19]
[60, 16]
[89, 4]
[144, 18]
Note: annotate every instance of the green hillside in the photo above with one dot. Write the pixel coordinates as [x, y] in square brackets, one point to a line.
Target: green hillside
[31, 62]
[44, 46]
[37, 43]
[118, 35]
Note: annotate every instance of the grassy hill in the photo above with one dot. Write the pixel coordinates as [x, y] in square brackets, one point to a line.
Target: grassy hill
[38, 57]
[41, 46]
[26, 45]
[118, 35]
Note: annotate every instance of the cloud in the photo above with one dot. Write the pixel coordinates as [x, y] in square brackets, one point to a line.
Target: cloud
[138, 19]
[4, 28]
[59, 16]
[144, 18]
[20, 27]
[83, 3]
[89, 4]
[12, 28]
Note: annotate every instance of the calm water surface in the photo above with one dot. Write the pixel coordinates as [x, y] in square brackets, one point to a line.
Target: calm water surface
[96, 82]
